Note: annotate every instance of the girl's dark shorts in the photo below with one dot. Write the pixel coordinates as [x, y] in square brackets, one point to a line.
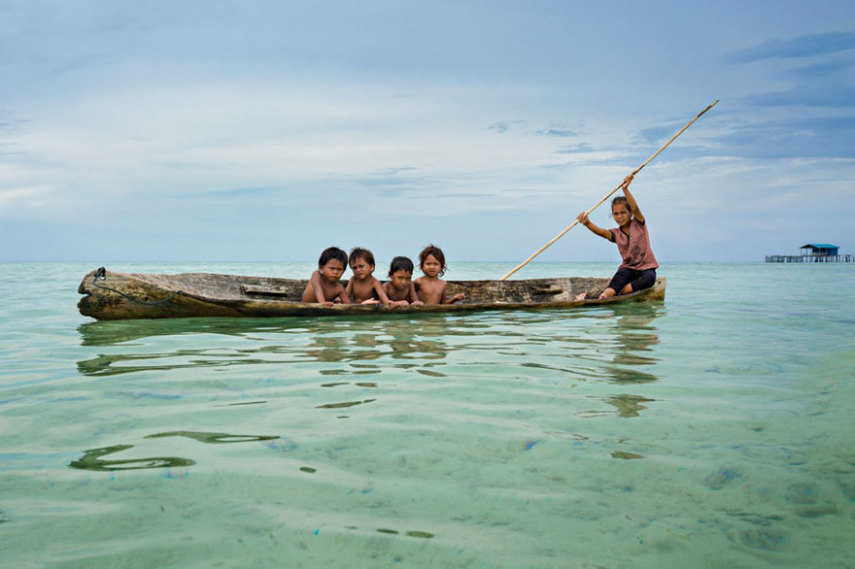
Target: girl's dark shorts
[638, 279]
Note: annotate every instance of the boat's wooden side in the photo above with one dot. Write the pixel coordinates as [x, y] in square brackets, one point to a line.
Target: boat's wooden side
[119, 296]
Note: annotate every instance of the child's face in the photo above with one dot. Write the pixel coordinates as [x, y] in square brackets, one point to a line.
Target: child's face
[401, 279]
[431, 266]
[621, 214]
[332, 271]
[361, 268]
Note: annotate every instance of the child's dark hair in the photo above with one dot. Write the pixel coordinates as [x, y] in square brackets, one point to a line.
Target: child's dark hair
[623, 200]
[359, 253]
[331, 253]
[438, 255]
[400, 264]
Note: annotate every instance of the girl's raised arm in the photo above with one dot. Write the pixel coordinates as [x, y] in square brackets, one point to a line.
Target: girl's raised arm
[630, 199]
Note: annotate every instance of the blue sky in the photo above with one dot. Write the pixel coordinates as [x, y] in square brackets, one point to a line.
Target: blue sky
[265, 131]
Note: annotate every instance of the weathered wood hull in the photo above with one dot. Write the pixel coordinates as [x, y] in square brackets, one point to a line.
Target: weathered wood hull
[119, 296]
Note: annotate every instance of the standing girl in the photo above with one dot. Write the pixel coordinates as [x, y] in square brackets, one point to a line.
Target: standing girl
[638, 270]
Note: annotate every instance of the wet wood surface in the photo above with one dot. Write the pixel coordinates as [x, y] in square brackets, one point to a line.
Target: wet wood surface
[118, 296]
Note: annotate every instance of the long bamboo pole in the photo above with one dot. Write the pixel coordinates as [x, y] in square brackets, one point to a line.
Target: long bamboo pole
[608, 195]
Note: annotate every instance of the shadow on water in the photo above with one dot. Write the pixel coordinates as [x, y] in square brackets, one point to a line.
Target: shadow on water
[356, 341]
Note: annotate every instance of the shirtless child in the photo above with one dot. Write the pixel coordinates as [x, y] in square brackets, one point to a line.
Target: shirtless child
[430, 287]
[399, 288]
[324, 283]
[362, 286]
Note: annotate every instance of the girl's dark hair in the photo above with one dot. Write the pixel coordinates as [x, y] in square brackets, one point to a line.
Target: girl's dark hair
[623, 200]
[438, 255]
[331, 253]
[364, 254]
[400, 264]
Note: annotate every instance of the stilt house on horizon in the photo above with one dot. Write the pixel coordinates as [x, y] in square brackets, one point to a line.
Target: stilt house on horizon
[814, 253]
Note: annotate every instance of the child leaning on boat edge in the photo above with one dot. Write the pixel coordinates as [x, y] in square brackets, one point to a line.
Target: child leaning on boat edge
[400, 287]
[325, 284]
[430, 288]
[638, 269]
[363, 287]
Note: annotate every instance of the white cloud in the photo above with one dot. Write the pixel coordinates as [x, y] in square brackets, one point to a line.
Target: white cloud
[13, 200]
[198, 119]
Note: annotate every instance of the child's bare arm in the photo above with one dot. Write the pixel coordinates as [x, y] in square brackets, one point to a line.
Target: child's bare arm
[343, 296]
[381, 294]
[414, 296]
[604, 233]
[630, 199]
[453, 299]
[390, 294]
[318, 288]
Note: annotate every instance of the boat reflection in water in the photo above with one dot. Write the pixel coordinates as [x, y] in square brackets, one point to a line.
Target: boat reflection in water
[402, 368]
[150, 345]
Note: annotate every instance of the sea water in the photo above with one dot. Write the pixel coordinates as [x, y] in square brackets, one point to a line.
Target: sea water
[714, 429]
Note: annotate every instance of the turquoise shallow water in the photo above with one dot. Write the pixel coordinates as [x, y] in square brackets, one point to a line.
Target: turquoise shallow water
[711, 430]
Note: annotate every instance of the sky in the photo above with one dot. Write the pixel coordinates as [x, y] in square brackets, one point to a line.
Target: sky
[224, 131]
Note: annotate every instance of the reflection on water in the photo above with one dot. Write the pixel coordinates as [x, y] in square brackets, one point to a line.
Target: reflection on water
[628, 405]
[109, 333]
[361, 340]
[613, 344]
[213, 438]
[625, 455]
[93, 459]
[344, 404]
[104, 365]
[354, 341]
[635, 335]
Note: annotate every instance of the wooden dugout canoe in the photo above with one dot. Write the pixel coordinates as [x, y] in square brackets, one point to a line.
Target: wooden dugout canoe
[119, 296]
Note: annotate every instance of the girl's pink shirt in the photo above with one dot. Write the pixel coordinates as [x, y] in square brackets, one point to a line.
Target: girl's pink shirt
[635, 248]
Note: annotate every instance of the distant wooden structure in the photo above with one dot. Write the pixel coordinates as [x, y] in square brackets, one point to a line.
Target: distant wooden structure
[814, 253]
